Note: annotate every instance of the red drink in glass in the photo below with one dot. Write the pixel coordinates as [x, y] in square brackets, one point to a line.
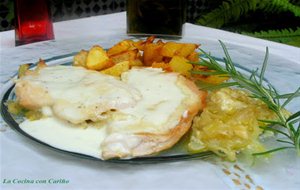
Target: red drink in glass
[33, 21]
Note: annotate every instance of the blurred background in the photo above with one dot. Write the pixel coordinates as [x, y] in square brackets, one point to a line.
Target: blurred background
[276, 20]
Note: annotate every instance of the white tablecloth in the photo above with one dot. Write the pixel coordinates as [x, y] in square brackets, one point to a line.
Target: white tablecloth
[23, 160]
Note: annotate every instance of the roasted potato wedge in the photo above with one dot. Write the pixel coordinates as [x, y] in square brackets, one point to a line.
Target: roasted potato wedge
[136, 62]
[150, 40]
[120, 47]
[97, 59]
[152, 53]
[187, 49]
[125, 56]
[163, 65]
[80, 58]
[41, 64]
[170, 56]
[170, 49]
[180, 65]
[194, 57]
[117, 69]
[139, 45]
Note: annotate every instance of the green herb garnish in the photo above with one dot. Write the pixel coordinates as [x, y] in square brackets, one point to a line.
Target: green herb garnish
[288, 126]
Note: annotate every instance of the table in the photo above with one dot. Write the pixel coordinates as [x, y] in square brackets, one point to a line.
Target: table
[24, 165]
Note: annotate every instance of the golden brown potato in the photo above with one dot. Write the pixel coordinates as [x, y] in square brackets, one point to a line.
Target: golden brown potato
[170, 49]
[194, 57]
[80, 58]
[41, 64]
[180, 65]
[152, 53]
[125, 56]
[150, 40]
[120, 47]
[97, 59]
[117, 69]
[136, 62]
[186, 49]
[163, 65]
[141, 53]
[160, 42]
[139, 45]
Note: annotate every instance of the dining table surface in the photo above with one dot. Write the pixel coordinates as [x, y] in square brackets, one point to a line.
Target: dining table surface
[27, 165]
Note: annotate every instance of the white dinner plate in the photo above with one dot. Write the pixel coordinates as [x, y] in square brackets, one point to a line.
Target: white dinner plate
[277, 172]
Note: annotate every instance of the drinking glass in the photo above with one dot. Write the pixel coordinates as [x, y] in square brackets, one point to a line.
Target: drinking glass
[32, 21]
[158, 17]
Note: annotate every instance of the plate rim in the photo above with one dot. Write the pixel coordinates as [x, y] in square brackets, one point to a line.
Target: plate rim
[12, 123]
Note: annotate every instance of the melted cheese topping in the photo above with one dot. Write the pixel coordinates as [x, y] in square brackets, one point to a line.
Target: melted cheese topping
[78, 94]
[160, 97]
[156, 111]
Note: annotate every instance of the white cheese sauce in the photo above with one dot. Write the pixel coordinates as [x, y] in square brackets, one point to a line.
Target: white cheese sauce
[65, 136]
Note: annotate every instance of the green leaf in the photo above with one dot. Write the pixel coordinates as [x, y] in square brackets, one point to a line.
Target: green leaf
[289, 99]
[207, 73]
[271, 151]
[284, 141]
[284, 35]
[268, 128]
[232, 10]
[213, 64]
[285, 96]
[277, 6]
[228, 11]
[201, 63]
[298, 131]
[293, 116]
[273, 122]
[264, 66]
[207, 86]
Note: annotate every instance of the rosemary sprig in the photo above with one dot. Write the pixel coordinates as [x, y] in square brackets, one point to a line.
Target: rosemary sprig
[288, 126]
